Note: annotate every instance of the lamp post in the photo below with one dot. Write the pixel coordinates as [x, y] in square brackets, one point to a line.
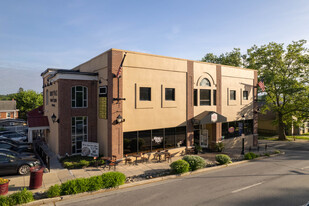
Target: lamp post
[119, 119]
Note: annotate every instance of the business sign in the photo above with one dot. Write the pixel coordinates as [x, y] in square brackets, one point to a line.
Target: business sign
[103, 102]
[90, 149]
[231, 129]
[214, 117]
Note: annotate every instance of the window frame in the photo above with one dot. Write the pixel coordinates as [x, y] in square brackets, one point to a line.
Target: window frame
[144, 99]
[84, 97]
[173, 94]
[75, 135]
[208, 84]
[245, 97]
[202, 101]
[234, 95]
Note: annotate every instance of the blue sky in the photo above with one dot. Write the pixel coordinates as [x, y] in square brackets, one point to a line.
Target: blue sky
[40, 34]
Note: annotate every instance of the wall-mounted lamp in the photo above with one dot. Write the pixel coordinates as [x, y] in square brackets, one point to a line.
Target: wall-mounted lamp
[53, 117]
[100, 80]
[120, 119]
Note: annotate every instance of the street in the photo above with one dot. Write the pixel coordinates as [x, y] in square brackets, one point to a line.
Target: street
[279, 180]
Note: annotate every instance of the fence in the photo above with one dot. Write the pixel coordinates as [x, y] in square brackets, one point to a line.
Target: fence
[42, 154]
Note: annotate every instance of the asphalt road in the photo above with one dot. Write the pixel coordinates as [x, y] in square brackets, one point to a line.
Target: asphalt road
[280, 180]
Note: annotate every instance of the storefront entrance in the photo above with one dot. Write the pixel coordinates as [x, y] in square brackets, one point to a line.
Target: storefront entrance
[201, 136]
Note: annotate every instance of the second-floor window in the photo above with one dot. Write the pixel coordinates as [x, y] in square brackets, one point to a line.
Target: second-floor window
[79, 96]
[205, 97]
[145, 94]
[245, 95]
[232, 95]
[170, 94]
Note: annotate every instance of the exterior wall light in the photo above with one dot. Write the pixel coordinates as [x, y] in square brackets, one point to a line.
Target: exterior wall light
[53, 117]
[120, 119]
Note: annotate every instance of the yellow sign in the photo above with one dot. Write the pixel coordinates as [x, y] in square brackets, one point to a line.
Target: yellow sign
[103, 107]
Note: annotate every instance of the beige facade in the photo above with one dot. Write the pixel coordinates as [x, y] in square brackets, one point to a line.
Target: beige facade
[174, 97]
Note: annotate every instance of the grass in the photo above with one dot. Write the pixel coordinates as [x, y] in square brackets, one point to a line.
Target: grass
[304, 137]
[289, 138]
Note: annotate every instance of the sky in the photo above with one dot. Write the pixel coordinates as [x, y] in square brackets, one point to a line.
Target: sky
[40, 34]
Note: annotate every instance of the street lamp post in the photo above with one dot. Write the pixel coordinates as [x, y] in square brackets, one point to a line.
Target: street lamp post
[243, 134]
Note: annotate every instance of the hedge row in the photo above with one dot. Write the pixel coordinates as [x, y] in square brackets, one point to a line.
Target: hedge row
[188, 163]
[78, 161]
[17, 198]
[106, 180]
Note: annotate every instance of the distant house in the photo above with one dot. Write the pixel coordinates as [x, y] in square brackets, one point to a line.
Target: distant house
[266, 125]
[8, 109]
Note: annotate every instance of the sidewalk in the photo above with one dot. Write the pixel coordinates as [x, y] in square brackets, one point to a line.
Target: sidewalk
[59, 175]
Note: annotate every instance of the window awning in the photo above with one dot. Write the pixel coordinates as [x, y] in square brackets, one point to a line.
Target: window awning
[208, 117]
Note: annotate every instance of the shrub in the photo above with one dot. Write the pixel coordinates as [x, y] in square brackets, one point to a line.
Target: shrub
[113, 179]
[4, 201]
[180, 166]
[84, 163]
[106, 180]
[277, 151]
[68, 165]
[219, 146]
[195, 162]
[250, 156]
[54, 191]
[267, 154]
[223, 159]
[21, 197]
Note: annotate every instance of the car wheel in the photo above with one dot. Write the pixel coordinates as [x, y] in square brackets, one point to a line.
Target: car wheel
[24, 169]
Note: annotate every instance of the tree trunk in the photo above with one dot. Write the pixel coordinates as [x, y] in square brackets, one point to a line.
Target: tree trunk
[281, 128]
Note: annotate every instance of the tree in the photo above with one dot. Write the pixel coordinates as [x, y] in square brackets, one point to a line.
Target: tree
[233, 58]
[27, 101]
[285, 73]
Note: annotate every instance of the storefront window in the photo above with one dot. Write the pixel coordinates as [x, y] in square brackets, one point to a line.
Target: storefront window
[144, 141]
[157, 139]
[181, 136]
[170, 138]
[79, 133]
[130, 142]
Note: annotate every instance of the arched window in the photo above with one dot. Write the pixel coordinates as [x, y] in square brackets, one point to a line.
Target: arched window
[79, 96]
[205, 82]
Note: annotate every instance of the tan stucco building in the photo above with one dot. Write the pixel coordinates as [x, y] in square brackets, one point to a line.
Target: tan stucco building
[152, 103]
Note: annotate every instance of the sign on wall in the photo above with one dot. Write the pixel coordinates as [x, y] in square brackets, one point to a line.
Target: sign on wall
[90, 149]
[103, 102]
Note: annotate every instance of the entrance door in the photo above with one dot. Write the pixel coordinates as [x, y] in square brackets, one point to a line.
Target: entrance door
[204, 138]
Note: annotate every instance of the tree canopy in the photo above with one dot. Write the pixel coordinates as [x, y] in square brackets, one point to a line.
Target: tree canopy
[285, 72]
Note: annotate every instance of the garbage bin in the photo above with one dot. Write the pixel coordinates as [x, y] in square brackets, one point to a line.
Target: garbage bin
[36, 176]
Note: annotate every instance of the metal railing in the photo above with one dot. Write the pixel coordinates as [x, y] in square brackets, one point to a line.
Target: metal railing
[42, 154]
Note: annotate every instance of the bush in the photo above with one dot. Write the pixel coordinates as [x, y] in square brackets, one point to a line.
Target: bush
[219, 146]
[113, 179]
[223, 159]
[180, 166]
[54, 191]
[250, 156]
[21, 197]
[106, 180]
[277, 151]
[195, 162]
[84, 163]
[68, 165]
[267, 154]
[4, 201]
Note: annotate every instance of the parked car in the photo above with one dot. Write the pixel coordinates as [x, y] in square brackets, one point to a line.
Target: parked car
[16, 154]
[22, 148]
[18, 143]
[14, 136]
[12, 165]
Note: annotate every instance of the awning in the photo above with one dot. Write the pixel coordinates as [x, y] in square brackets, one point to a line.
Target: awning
[208, 117]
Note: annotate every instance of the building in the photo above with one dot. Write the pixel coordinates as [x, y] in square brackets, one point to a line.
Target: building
[152, 103]
[8, 109]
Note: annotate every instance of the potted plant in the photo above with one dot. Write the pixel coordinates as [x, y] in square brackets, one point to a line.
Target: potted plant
[197, 149]
[4, 186]
[219, 146]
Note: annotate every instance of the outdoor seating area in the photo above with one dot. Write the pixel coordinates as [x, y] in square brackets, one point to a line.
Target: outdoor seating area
[151, 157]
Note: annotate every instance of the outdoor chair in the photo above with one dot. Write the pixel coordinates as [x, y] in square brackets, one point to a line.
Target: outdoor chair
[170, 156]
[145, 157]
[127, 160]
[113, 163]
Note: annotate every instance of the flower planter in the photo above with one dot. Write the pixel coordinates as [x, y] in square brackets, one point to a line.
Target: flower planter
[4, 188]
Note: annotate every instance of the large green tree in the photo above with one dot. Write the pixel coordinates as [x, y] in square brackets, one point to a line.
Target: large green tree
[27, 101]
[285, 72]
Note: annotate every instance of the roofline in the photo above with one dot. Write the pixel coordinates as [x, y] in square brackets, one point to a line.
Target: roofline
[133, 52]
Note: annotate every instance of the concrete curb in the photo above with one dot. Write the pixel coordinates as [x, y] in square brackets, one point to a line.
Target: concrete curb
[143, 182]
